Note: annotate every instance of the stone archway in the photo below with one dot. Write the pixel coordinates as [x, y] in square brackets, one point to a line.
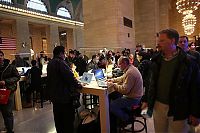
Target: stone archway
[46, 3]
[68, 5]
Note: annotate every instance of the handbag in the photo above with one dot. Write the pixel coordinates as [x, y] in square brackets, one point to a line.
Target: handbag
[4, 95]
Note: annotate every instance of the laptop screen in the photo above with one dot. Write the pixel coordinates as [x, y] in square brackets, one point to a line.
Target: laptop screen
[86, 78]
[98, 73]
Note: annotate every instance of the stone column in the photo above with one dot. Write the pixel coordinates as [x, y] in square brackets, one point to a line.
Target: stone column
[23, 39]
[53, 37]
[78, 41]
[146, 21]
[104, 26]
[23, 36]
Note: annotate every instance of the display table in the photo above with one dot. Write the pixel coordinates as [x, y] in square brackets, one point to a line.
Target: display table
[93, 89]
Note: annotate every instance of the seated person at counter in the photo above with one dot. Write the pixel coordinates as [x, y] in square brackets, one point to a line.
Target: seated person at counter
[93, 63]
[130, 84]
[33, 76]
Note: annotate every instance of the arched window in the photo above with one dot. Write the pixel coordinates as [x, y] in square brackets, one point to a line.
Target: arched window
[6, 1]
[37, 5]
[63, 12]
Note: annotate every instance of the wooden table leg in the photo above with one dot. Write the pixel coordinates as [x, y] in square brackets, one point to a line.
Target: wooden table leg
[18, 103]
[104, 113]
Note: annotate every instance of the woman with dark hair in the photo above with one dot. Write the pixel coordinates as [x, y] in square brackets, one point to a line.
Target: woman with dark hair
[192, 46]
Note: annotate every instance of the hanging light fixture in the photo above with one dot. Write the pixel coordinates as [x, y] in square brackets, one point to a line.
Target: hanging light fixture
[189, 22]
[187, 6]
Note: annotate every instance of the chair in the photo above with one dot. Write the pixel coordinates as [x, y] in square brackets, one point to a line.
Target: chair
[39, 92]
[89, 101]
[135, 112]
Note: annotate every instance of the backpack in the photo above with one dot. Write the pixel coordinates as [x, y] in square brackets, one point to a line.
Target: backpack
[90, 122]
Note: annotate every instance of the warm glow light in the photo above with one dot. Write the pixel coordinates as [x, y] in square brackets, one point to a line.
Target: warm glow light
[189, 22]
[187, 6]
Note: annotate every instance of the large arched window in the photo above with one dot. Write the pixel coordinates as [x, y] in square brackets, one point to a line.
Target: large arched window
[6, 1]
[37, 5]
[63, 12]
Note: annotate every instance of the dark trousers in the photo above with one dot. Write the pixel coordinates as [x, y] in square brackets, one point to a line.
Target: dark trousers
[64, 117]
[7, 113]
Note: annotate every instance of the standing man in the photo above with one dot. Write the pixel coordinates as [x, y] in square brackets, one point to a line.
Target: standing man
[61, 85]
[183, 43]
[130, 85]
[173, 93]
[9, 77]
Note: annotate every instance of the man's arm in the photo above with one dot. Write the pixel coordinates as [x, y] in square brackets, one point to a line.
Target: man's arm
[127, 85]
[118, 79]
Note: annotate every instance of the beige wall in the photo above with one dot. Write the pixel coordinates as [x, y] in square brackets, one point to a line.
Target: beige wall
[103, 22]
[126, 9]
[146, 22]
[100, 23]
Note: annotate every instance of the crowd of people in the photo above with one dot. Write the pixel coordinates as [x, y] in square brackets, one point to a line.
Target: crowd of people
[166, 81]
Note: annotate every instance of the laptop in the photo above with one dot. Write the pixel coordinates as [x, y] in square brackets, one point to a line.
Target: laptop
[100, 78]
[86, 78]
[22, 70]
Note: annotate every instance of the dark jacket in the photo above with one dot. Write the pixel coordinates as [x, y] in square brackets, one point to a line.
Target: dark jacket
[61, 83]
[10, 75]
[184, 93]
[35, 77]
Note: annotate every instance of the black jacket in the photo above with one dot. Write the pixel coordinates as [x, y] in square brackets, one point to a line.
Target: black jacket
[61, 83]
[184, 93]
[10, 75]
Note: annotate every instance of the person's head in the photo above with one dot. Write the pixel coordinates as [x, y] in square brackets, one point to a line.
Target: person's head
[42, 53]
[168, 39]
[95, 58]
[131, 56]
[1, 57]
[59, 51]
[110, 53]
[192, 46]
[123, 63]
[33, 62]
[73, 66]
[138, 47]
[183, 42]
[17, 56]
[71, 54]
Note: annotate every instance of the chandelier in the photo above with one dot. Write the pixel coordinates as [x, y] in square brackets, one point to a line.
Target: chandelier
[189, 22]
[187, 6]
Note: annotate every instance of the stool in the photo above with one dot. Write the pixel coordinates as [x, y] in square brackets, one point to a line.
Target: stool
[90, 100]
[135, 112]
[35, 98]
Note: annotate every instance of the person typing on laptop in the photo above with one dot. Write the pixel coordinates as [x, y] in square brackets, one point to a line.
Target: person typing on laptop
[130, 84]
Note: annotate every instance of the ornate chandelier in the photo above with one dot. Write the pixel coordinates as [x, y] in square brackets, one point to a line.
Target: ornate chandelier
[189, 22]
[187, 6]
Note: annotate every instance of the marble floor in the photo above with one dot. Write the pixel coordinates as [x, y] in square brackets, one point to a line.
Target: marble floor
[40, 120]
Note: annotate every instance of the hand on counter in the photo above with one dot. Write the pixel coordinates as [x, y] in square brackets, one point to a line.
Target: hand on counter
[109, 80]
